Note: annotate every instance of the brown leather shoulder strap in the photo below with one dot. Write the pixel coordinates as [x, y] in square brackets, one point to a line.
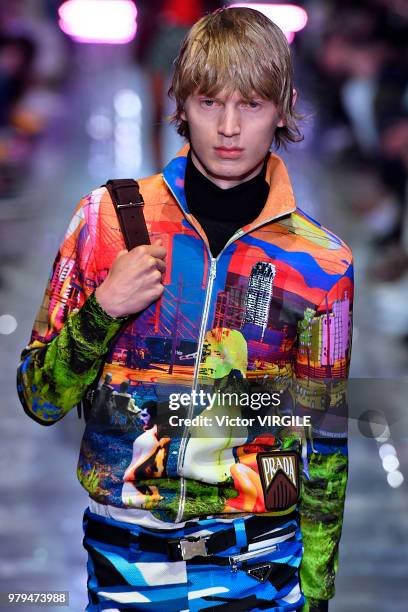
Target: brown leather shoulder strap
[129, 203]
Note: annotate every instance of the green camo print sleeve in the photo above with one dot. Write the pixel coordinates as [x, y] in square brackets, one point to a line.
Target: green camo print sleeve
[53, 378]
[321, 523]
[71, 332]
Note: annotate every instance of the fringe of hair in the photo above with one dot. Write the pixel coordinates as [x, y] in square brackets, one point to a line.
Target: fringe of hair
[236, 49]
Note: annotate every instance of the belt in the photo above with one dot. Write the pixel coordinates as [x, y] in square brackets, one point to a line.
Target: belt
[177, 549]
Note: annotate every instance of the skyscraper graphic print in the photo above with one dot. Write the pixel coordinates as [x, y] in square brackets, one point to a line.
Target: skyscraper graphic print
[259, 294]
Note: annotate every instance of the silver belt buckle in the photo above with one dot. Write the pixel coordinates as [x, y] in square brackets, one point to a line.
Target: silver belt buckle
[193, 548]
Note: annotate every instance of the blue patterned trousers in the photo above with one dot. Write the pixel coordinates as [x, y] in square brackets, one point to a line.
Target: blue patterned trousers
[246, 563]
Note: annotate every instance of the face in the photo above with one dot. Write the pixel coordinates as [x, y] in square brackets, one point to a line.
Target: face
[230, 136]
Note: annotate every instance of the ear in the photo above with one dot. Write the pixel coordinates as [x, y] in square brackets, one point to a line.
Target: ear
[282, 122]
[183, 115]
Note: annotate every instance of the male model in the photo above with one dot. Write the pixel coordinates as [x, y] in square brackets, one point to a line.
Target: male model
[232, 476]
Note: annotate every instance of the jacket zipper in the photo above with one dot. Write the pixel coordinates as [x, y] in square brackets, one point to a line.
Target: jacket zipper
[234, 560]
[204, 318]
[184, 439]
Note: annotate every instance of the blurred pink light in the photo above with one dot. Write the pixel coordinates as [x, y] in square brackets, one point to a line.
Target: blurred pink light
[99, 21]
[289, 17]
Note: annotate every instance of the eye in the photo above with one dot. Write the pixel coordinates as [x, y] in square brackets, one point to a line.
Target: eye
[253, 104]
[208, 102]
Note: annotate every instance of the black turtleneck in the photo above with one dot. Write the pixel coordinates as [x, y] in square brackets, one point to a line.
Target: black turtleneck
[221, 212]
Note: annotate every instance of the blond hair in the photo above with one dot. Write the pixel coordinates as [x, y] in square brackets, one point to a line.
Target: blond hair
[236, 49]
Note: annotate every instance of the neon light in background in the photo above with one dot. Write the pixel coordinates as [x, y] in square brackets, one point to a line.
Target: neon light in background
[8, 324]
[99, 21]
[289, 17]
[390, 461]
[128, 132]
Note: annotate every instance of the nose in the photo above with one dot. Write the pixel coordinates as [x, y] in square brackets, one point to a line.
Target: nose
[229, 121]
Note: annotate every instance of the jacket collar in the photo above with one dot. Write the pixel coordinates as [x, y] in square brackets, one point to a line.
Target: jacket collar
[280, 200]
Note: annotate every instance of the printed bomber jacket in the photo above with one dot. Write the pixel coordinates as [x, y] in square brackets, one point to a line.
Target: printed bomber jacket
[262, 331]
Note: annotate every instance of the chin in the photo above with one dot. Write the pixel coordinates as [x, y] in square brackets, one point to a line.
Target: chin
[229, 166]
[230, 172]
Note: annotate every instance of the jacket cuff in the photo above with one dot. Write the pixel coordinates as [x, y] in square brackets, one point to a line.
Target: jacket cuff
[316, 605]
[92, 328]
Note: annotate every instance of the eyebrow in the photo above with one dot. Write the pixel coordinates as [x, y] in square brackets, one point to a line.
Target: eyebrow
[254, 97]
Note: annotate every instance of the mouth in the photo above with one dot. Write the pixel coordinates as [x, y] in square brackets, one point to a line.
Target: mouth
[228, 152]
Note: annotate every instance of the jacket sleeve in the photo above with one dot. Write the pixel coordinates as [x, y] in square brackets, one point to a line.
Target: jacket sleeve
[71, 333]
[321, 371]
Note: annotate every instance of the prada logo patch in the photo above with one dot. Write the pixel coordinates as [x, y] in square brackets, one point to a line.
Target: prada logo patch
[279, 472]
[260, 572]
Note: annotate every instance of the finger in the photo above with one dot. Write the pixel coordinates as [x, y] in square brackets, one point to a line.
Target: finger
[160, 265]
[157, 251]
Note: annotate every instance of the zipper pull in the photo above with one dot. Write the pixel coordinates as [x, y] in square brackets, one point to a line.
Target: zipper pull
[213, 269]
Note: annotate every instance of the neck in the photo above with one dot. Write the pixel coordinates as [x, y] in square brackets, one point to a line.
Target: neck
[239, 203]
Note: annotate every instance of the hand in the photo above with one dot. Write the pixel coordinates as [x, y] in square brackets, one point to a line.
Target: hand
[134, 280]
